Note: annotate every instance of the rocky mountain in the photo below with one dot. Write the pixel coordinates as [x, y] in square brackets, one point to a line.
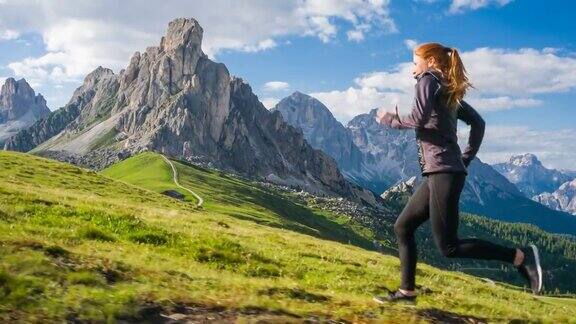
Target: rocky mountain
[92, 99]
[173, 99]
[563, 198]
[321, 129]
[20, 107]
[389, 155]
[389, 163]
[368, 154]
[530, 176]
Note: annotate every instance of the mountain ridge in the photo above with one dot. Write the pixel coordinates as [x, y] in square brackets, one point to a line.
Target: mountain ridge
[173, 99]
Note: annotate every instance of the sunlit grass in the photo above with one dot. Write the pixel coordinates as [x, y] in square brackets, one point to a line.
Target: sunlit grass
[77, 245]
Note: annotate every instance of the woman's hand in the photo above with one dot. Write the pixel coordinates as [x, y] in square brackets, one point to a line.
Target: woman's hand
[383, 116]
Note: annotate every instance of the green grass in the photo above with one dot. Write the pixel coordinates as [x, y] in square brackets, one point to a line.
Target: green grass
[77, 245]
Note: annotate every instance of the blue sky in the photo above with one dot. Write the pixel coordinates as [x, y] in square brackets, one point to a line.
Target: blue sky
[353, 55]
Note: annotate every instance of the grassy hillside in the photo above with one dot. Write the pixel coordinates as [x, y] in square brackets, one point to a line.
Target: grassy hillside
[77, 245]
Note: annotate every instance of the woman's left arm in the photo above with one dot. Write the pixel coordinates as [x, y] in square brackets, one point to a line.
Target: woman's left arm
[425, 93]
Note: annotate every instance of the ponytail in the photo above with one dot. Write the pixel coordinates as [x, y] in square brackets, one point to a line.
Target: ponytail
[458, 82]
[447, 60]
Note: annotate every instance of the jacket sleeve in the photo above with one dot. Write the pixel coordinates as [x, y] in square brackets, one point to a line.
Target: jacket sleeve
[424, 97]
[471, 117]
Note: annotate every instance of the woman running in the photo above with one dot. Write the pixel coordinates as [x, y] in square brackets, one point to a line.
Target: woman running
[440, 87]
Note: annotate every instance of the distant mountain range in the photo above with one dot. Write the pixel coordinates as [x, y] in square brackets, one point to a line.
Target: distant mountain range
[388, 158]
[550, 187]
[20, 107]
[530, 176]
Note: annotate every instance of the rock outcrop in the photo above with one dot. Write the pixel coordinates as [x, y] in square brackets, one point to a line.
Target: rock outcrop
[20, 107]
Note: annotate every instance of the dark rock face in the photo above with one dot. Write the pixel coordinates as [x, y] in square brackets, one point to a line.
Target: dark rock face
[173, 99]
[29, 138]
[20, 107]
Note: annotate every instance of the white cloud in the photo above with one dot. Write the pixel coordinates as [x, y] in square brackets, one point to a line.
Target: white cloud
[502, 103]
[358, 34]
[355, 35]
[555, 148]
[525, 71]
[322, 27]
[9, 34]
[505, 79]
[348, 103]
[269, 103]
[79, 36]
[410, 43]
[261, 46]
[459, 6]
[397, 79]
[276, 86]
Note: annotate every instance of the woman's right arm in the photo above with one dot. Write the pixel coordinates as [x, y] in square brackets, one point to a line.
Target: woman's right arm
[425, 95]
[477, 125]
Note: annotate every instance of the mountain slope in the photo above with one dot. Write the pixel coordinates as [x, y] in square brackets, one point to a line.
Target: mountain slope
[173, 99]
[562, 199]
[557, 252]
[97, 249]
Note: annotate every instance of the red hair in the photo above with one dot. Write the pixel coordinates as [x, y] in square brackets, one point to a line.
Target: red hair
[447, 60]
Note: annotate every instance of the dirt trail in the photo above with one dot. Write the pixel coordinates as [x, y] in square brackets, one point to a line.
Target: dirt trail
[175, 178]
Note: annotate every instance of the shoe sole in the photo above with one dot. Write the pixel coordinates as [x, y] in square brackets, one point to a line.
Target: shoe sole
[411, 302]
[538, 267]
[378, 300]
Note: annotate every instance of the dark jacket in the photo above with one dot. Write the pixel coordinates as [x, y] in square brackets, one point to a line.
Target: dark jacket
[435, 126]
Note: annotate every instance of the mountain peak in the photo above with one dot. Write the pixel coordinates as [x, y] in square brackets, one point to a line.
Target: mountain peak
[173, 99]
[306, 104]
[98, 73]
[298, 94]
[12, 87]
[526, 159]
[529, 175]
[182, 32]
[19, 107]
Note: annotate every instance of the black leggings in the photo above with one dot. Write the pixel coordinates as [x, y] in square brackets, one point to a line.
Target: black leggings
[437, 198]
